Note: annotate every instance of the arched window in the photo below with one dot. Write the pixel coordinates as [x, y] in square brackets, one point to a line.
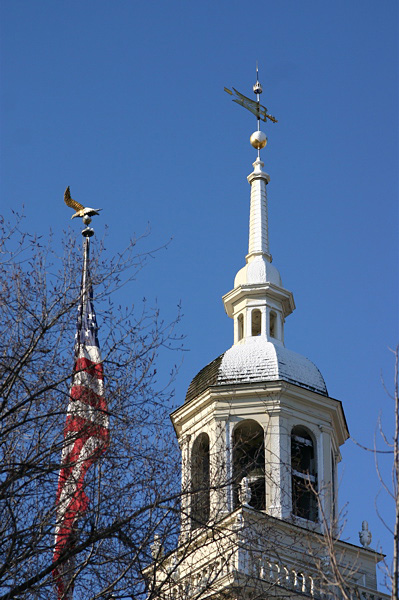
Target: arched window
[240, 322]
[256, 322]
[249, 463]
[304, 475]
[200, 500]
[272, 328]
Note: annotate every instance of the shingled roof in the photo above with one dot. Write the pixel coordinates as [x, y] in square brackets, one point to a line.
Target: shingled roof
[205, 378]
[258, 360]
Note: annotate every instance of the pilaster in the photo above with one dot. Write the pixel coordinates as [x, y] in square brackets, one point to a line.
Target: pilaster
[184, 444]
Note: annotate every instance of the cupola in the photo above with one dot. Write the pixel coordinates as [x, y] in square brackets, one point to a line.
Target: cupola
[257, 427]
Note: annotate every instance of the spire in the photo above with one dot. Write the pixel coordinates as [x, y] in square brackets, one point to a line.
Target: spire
[258, 303]
[258, 221]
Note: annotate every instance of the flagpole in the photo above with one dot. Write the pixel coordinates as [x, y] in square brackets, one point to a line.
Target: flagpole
[87, 233]
[86, 433]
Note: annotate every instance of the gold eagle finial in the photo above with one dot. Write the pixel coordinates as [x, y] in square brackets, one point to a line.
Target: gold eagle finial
[81, 211]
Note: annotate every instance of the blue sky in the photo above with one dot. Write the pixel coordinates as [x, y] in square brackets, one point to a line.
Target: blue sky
[124, 102]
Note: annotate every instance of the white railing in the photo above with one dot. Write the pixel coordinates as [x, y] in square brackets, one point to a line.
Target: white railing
[304, 583]
[270, 572]
[275, 574]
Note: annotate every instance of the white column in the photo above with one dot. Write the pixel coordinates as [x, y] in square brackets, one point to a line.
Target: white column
[278, 474]
[267, 325]
[264, 321]
[248, 323]
[320, 471]
[229, 466]
[324, 468]
[279, 326]
[184, 444]
[218, 470]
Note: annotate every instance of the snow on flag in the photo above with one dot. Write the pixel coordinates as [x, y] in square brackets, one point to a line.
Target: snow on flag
[86, 435]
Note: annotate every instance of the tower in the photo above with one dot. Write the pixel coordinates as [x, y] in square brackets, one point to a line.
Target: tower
[260, 439]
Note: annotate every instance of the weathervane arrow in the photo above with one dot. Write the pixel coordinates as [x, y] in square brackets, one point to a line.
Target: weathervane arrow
[258, 139]
[253, 106]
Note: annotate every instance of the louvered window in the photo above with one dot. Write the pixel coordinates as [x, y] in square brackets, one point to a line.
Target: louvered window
[304, 475]
[200, 498]
[249, 462]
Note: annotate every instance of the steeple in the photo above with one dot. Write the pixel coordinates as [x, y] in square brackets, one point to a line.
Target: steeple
[260, 441]
[258, 303]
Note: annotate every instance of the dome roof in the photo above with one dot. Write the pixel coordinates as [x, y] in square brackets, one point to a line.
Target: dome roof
[258, 270]
[257, 360]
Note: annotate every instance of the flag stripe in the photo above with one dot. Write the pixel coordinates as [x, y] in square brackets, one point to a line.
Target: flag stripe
[87, 396]
[93, 368]
[82, 455]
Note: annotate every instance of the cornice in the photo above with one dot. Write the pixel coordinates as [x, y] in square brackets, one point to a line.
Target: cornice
[267, 289]
[221, 399]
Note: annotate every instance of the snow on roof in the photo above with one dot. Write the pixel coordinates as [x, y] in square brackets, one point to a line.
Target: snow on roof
[259, 360]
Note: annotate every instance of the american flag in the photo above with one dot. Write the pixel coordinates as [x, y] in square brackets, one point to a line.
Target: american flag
[86, 433]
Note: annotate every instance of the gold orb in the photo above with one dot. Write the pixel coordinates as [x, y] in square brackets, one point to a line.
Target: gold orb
[258, 140]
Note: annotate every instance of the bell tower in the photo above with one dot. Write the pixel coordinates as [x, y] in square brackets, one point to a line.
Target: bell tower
[260, 438]
[269, 420]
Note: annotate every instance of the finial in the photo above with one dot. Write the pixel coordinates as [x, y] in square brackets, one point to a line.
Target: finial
[258, 139]
[365, 535]
[81, 211]
[156, 547]
[257, 88]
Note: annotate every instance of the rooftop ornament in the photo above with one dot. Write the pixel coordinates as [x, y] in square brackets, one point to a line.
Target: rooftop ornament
[365, 535]
[81, 211]
[258, 139]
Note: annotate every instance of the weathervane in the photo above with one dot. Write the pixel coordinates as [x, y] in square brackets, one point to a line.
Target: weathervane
[258, 139]
[81, 211]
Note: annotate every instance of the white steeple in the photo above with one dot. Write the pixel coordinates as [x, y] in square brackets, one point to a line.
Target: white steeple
[260, 442]
[258, 303]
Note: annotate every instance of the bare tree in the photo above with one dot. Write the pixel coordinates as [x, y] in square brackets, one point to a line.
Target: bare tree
[133, 490]
[395, 477]
[391, 443]
[336, 569]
